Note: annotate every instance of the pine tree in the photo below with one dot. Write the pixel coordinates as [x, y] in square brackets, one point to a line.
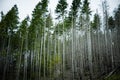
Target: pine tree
[49, 21]
[3, 32]
[11, 24]
[22, 33]
[37, 35]
[37, 22]
[111, 22]
[117, 16]
[74, 9]
[96, 22]
[86, 14]
[86, 9]
[11, 19]
[61, 8]
[73, 13]
[23, 27]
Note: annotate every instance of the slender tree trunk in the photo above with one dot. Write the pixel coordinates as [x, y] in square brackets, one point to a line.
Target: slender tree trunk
[6, 61]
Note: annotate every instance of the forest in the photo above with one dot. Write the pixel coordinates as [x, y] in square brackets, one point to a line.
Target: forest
[73, 46]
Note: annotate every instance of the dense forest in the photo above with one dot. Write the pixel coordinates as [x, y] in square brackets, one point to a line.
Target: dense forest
[70, 47]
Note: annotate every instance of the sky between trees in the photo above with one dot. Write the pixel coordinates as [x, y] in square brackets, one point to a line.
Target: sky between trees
[26, 6]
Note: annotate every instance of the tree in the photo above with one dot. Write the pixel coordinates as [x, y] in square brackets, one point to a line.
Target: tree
[2, 15]
[2, 25]
[86, 9]
[11, 24]
[37, 21]
[86, 12]
[111, 22]
[22, 33]
[74, 9]
[23, 26]
[96, 22]
[49, 21]
[3, 32]
[117, 16]
[11, 19]
[61, 8]
[37, 34]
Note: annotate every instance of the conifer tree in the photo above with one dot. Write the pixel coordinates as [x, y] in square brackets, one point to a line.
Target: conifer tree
[96, 22]
[117, 16]
[74, 9]
[37, 22]
[111, 22]
[86, 11]
[61, 8]
[11, 24]
[11, 19]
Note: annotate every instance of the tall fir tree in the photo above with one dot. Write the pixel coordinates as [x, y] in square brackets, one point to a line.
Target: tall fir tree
[61, 8]
[117, 16]
[73, 13]
[86, 15]
[11, 19]
[111, 22]
[38, 20]
[74, 9]
[49, 21]
[86, 9]
[11, 23]
[96, 21]
[3, 32]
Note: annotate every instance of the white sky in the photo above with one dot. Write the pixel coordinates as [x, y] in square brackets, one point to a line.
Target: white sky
[26, 7]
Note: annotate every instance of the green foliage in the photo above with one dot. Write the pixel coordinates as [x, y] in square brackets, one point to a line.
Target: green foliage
[61, 8]
[74, 9]
[2, 15]
[23, 27]
[50, 64]
[72, 14]
[59, 26]
[117, 16]
[38, 15]
[3, 27]
[49, 21]
[59, 29]
[22, 33]
[44, 6]
[8, 26]
[111, 22]
[38, 22]
[86, 8]
[96, 22]
[54, 61]
[11, 19]
[30, 40]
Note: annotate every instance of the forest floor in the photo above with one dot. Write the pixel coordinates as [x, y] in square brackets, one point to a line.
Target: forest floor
[113, 75]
